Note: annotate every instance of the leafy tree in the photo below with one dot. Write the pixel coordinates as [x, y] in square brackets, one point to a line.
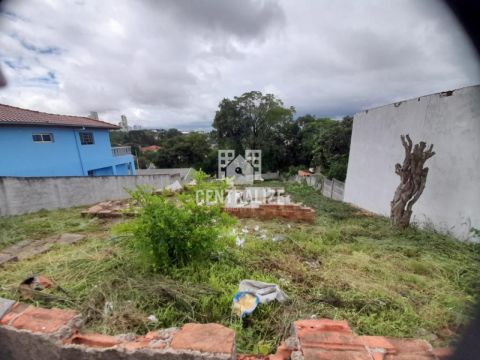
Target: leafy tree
[185, 150]
[311, 129]
[333, 147]
[256, 121]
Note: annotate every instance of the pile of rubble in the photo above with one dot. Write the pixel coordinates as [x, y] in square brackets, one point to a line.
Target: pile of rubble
[28, 248]
[109, 209]
[266, 203]
[29, 332]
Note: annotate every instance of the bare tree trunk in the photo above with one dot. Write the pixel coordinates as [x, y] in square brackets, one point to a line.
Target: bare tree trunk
[413, 177]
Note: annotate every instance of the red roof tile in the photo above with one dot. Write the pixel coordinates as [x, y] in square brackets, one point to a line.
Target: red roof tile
[11, 115]
[149, 148]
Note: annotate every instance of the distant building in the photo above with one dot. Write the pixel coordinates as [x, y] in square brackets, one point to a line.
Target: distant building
[40, 144]
[93, 115]
[150, 148]
[123, 124]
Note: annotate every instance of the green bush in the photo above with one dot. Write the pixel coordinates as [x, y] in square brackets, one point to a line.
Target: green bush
[174, 231]
[338, 168]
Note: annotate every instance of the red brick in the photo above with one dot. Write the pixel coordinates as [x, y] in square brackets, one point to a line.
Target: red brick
[323, 325]
[377, 355]
[410, 356]
[158, 344]
[43, 320]
[213, 338]
[317, 354]
[93, 340]
[139, 343]
[408, 346]
[330, 340]
[283, 353]
[378, 342]
[442, 353]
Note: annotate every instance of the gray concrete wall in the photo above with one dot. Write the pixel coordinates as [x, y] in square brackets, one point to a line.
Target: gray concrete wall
[24, 195]
[451, 121]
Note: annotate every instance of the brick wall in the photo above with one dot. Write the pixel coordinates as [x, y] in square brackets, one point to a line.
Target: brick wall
[30, 333]
[293, 212]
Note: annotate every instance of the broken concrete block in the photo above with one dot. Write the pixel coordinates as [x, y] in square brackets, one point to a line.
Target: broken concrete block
[207, 338]
[70, 238]
[175, 187]
[5, 257]
[5, 305]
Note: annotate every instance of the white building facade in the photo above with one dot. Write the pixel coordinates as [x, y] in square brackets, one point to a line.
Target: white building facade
[451, 122]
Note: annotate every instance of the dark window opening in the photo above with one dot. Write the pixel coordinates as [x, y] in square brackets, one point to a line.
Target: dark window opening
[42, 137]
[86, 138]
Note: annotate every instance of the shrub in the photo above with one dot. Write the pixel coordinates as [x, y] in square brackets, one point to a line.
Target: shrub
[173, 231]
[338, 168]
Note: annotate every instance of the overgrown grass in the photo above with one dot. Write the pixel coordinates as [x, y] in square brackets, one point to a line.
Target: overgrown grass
[348, 265]
[43, 224]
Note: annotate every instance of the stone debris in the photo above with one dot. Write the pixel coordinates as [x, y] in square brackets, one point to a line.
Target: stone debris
[152, 319]
[239, 241]
[266, 204]
[109, 209]
[333, 339]
[67, 239]
[278, 237]
[175, 187]
[28, 248]
[57, 333]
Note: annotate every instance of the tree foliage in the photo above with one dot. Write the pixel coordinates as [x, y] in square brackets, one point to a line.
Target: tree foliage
[332, 147]
[251, 121]
[257, 121]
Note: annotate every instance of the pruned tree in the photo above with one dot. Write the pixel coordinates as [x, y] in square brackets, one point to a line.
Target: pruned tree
[413, 176]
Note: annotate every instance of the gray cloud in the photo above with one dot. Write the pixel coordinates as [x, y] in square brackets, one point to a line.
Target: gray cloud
[169, 63]
[245, 19]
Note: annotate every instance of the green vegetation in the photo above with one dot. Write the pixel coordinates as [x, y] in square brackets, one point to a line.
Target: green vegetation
[170, 232]
[347, 265]
[250, 121]
[43, 224]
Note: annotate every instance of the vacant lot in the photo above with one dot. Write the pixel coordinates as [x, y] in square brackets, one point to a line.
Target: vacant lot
[348, 265]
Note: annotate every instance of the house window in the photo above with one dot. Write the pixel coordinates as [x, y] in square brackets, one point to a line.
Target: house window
[86, 138]
[42, 137]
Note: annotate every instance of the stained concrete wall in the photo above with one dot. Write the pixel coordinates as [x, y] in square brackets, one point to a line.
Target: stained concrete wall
[449, 120]
[23, 195]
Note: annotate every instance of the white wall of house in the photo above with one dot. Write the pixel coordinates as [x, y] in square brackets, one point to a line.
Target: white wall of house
[449, 120]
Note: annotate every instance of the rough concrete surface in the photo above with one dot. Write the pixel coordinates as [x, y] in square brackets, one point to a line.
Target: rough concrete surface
[24, 195]
[28, 248]
[451, 122]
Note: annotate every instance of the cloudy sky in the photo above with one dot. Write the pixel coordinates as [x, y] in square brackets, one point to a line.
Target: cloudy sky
[168, 63]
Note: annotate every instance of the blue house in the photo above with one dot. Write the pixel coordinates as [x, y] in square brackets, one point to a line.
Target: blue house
[33, 143]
